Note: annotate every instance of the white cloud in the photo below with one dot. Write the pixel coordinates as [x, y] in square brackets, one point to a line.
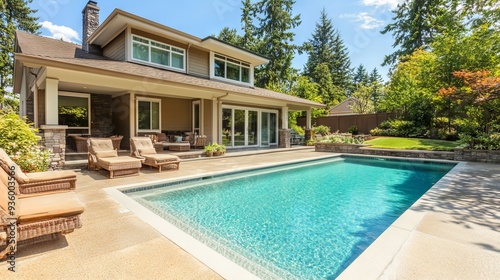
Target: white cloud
[380, 3]
[61, 32]
[367, 21]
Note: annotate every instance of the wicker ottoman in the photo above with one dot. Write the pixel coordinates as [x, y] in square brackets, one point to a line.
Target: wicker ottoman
[179, 146]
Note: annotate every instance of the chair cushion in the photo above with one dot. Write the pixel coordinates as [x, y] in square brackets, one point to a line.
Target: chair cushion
[178, 139]
[106, 154]
[162, 157]
[50, 175]
[116, 161]
[104, 144]
[44, 207]
[147, 151]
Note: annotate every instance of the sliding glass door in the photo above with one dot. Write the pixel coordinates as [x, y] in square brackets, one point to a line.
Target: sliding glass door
[248, 127]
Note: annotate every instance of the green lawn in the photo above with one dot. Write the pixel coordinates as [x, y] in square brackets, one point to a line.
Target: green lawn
[411, 144]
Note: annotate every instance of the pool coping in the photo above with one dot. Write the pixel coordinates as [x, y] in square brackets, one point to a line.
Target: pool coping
[383, 249]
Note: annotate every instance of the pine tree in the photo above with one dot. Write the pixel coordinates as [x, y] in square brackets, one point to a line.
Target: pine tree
[247, 16]
[376, 84]
[416, 24]
[327, 46]
[15, 14]
[275, 37]
[230, 35]
[361, 76]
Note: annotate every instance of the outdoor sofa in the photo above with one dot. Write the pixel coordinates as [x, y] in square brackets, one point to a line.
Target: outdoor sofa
[102, 155]
[38, 182]
[143, 148]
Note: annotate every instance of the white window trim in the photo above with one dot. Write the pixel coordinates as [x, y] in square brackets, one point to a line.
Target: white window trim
[137, 114]
[80, 95]
[212, 70]
[131, 53]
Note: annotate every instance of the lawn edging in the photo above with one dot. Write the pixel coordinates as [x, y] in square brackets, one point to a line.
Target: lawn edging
[458, 154]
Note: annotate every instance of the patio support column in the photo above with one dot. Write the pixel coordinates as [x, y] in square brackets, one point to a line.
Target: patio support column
[285, 135]
[284, 117]
[308, 131]
[308, 119]
[51, 101]
[216, 123]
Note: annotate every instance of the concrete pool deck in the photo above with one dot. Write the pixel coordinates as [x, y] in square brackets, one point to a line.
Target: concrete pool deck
[452, 232]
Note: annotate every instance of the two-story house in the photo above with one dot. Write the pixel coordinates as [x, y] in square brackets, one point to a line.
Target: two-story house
[134, 76]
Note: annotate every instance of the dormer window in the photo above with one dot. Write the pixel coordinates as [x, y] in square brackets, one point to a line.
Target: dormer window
[232, 69]
[157, 53]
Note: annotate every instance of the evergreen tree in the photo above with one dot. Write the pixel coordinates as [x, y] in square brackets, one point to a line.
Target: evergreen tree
[247, 16]
[15, 14]
[230, 35]
[416, 24]
[326, 46]
[275, 37]
[361, 76]
[376, 86]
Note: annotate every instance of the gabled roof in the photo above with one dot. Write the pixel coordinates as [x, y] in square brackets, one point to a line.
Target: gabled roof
[343, 108]
[64, 55]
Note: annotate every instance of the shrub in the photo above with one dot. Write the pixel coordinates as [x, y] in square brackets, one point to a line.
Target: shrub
[15, 134]
[322, 130]
[298, 129]
[482, 141]
[398, 128]
[343, 139]
[353, 129]
[32, 160]
[19, 140]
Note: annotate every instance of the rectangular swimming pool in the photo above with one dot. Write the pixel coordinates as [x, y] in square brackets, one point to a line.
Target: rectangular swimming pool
[307, 220]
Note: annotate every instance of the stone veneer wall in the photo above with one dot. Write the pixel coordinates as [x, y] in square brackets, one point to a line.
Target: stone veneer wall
[284, 138]
[54, 139]
[458, 154]
[101, 115]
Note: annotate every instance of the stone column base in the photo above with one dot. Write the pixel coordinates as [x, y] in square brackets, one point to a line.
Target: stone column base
[54, 140]
[284, 139]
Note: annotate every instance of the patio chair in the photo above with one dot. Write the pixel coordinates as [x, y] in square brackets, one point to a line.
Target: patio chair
[102, 156]
[142, 148]
[199, 141]
[37, 182]
[36, 216]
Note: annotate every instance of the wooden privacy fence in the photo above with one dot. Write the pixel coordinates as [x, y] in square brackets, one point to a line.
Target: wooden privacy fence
[365, 122]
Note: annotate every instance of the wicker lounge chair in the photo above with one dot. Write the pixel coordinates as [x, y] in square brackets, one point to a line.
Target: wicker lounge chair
[142, 148]
[36, 216]
[199, 141]
[102, 156]
[49, 181]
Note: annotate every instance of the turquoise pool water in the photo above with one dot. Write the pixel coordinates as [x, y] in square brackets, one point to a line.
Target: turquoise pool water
[304, 221]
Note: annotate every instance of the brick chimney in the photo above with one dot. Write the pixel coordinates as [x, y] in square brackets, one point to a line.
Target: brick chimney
[90, 22]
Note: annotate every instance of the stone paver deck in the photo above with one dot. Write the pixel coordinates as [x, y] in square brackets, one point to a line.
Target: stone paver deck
[453, 232]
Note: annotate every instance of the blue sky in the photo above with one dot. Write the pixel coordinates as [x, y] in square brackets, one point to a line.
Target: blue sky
[359, 21]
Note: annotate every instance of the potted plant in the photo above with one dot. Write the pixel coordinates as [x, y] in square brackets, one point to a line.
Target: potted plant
[209, 150]
[219, 149]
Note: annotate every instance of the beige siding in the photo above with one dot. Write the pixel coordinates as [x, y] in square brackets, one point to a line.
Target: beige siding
[198, 62]
[207, 119]
[175, 114]
[121, 118]
[116, 48]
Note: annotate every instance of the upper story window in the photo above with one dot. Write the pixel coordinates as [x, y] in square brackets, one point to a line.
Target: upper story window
[232, 69]
[157, 53]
